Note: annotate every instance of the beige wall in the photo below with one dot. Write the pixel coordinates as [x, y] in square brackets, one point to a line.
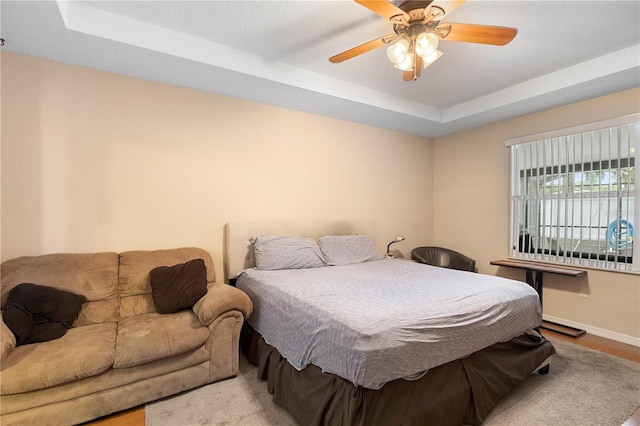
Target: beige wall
[93, 161]
[471, 214]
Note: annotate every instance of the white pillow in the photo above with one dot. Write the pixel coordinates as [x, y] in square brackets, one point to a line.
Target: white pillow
[347, 249]
[274, 252]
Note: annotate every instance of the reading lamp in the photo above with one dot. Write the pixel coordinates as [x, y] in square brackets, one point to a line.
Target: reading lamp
[397, 239]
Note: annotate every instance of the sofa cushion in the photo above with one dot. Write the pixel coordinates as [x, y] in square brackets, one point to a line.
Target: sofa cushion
[132, 306]
[134, 284]
[37, 313]
[82, 352]
[178, 287]
[98, 312]
[149, 337]
[93, 275]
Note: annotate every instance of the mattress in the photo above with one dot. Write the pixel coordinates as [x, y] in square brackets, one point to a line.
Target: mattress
[375, 322]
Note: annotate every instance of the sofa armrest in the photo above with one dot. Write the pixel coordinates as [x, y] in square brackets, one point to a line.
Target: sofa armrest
[219, 299]
[7, 341]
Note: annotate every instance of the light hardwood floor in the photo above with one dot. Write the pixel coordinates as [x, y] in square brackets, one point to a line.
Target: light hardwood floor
[135, 416]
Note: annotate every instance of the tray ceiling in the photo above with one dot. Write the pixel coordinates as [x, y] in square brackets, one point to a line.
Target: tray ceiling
[276, 52]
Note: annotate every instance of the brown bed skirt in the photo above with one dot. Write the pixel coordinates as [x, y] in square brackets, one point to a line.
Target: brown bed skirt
[461, 392]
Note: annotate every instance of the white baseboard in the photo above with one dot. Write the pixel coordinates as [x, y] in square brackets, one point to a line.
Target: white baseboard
[619, 337]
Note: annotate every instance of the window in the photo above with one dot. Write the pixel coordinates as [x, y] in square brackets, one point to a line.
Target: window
[575, 195]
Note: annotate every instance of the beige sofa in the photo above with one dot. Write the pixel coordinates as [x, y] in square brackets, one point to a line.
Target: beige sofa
[120, 352]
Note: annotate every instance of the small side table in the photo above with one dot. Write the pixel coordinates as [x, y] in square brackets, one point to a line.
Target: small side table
[536, 283]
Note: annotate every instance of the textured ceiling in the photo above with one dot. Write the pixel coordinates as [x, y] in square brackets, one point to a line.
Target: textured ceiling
[277, 52]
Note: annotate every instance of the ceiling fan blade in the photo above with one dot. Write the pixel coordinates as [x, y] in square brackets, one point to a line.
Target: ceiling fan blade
[483, 34]
[383, 8]
[447, 6]
[363, 48]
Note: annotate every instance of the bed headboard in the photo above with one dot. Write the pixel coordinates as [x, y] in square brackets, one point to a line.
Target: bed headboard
[238, 251]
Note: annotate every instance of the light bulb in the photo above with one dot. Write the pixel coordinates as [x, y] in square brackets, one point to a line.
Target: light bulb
[406, 64]
[398, 51]
[431, 58]
[426, 44]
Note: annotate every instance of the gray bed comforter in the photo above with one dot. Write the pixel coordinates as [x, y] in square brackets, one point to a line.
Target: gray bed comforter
[378, 321]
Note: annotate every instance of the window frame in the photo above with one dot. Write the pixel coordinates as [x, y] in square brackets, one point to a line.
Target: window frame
[520, 248]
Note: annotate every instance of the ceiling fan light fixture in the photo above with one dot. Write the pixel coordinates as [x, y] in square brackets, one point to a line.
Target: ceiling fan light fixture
[426, 44]
[406, 64]
[398, 51]
[418, 31]
[431, 58]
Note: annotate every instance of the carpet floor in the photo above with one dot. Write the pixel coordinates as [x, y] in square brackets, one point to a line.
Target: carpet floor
[584, 387]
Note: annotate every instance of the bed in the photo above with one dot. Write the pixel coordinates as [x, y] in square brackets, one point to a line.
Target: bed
[366, 340]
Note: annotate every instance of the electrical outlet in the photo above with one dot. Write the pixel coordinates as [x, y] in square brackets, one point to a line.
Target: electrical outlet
[584, 291]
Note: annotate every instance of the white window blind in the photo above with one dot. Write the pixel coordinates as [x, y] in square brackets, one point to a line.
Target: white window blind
[574, 195]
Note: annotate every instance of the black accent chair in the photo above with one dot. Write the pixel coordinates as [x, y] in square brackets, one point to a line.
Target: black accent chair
[443, 257]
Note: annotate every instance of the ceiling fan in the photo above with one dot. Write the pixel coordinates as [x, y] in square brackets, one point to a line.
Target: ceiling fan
[418, 29]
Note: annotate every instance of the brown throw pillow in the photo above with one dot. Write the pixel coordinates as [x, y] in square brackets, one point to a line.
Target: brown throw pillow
[36, 313]
[178, 287]
[45, 331]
